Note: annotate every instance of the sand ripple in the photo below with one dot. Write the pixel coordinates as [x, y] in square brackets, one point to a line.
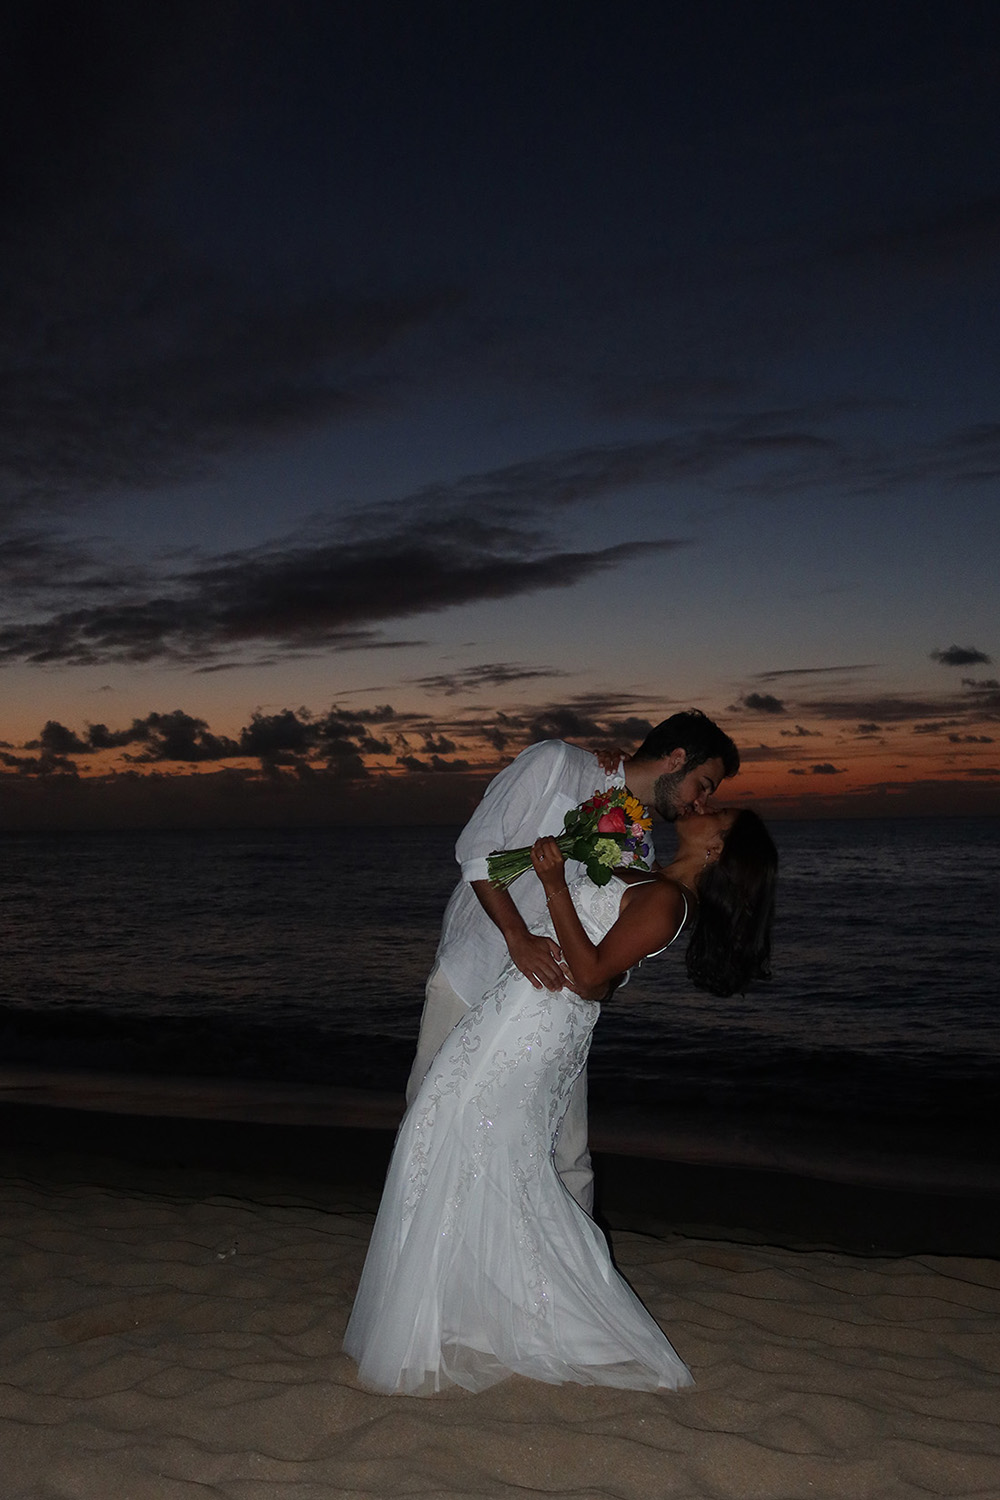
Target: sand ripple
[158, 1347]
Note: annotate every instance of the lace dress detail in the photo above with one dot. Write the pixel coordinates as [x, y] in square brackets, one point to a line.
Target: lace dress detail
[481, 1264]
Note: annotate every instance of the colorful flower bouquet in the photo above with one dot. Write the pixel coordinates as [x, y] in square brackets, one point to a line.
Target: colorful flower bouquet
[604, 833]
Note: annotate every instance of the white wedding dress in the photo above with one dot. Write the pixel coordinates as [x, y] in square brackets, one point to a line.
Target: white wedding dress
[481, 1264]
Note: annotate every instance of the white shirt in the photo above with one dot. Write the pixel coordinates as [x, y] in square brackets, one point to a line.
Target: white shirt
[528, 799]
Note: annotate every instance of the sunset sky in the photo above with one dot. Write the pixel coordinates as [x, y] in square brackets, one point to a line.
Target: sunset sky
[388, 385]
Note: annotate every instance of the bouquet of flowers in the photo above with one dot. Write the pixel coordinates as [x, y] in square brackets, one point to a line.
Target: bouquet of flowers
[604, 833]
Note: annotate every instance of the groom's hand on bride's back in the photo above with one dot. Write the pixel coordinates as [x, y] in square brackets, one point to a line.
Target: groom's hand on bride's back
[538, 959]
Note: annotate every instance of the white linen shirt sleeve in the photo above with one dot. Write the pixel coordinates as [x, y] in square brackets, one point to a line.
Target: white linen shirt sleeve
[523, 802]
[528, 798]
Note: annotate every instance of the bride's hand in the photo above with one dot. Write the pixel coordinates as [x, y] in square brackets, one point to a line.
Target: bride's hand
[548, 863]
[609, 760]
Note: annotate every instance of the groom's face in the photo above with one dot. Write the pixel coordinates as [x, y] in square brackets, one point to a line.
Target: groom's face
[677, 792]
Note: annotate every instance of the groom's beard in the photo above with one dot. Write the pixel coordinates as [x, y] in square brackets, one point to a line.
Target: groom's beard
[667, 795]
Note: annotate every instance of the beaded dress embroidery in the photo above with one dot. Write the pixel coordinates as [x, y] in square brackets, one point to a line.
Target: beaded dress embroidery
[481, 1264]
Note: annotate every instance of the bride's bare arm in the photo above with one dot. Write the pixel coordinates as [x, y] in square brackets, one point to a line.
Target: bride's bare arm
[647, 921]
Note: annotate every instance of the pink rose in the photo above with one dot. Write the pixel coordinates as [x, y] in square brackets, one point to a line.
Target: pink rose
[612, 822]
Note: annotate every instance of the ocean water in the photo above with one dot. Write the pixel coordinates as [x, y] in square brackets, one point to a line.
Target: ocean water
[301, 956]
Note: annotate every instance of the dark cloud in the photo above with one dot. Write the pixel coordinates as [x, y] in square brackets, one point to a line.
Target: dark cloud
[823, 769]
[35, 564]
[489, 674]
[496, 736]
[865, 729]
[935, 727]
[802, 734]
[56, 739]
[893, 708]
[864, 666]
[434, 765]
[984, 696]
[564, 724]
[129, 358]
[574, 723]
[311, 597]
[971, 739]
[274, 737]
[763, 703]
[606, 719]
[142, 381]
[338, 739]
[629, 731]
[100, 737]
[961, 656]
[177, 736]
[964, 457]
[967, 456]
[132, 359]
[45, 765]
[346, 640]
[539, 485]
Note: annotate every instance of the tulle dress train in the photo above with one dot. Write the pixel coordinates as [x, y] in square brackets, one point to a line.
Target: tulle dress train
[481, 1264]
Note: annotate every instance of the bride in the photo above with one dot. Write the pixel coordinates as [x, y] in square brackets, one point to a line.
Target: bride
[481, 1264]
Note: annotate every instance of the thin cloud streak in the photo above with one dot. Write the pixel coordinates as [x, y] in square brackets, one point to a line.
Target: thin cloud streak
[863, 666]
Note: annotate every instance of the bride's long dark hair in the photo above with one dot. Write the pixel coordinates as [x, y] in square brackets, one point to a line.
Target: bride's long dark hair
[730, 946]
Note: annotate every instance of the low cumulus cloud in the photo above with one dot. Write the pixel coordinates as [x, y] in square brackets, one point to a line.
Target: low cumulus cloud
[823, 769]
[41, 766]
[761, 703]
[433, 765]
[349, 743]
[340, 737]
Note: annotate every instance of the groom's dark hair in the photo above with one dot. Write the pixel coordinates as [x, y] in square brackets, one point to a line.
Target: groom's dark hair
[697, 735]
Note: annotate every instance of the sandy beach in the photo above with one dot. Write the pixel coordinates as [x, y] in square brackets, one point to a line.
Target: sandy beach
[173, 1312]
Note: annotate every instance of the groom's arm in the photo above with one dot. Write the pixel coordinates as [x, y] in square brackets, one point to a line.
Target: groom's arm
[537, 957]
[507, 817]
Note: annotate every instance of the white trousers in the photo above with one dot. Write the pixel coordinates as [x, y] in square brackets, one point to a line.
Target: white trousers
[442, 1012]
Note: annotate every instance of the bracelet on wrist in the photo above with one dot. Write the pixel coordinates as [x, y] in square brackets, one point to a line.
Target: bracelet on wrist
[562, 891]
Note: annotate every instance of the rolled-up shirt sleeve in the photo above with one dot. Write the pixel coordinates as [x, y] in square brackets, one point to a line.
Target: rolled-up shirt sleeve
[529, 797]
[506, 818]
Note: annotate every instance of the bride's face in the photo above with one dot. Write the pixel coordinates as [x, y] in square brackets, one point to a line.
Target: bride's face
[706, 831]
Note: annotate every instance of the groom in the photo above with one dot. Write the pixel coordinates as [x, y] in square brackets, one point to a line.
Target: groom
[675, 770]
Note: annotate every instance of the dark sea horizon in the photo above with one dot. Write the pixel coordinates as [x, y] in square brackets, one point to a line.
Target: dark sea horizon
[298, 957]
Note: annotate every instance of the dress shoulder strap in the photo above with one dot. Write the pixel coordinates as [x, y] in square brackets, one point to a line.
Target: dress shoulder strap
[680, 928]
